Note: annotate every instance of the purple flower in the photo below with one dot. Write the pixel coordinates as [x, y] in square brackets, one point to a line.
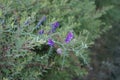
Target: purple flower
[41, 32]
[41, 21]
[54, 26]
[59, 51]
[69, 37]
[50, 42]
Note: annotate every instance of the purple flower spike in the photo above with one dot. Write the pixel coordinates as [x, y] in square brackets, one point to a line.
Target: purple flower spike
[55, 25]
[41, 21]
[50, 42]
[69, 37]
[59, 51]
[41, 32]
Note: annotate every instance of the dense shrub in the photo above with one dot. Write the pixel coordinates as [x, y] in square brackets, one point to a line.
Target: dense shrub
[47, 39]
[112, 16]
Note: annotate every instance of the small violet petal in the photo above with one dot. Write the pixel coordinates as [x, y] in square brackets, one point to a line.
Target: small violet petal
[50, 42]
[41, 32]
[69, 37]
[55, 25]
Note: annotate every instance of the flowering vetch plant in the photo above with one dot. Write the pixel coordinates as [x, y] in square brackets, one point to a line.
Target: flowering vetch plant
[35, 50]
[69, 37]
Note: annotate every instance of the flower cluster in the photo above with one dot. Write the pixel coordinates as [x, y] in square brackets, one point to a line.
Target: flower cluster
[54, 26]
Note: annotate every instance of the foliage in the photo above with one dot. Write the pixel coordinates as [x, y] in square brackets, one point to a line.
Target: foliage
[31, 31]
[112, 15]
